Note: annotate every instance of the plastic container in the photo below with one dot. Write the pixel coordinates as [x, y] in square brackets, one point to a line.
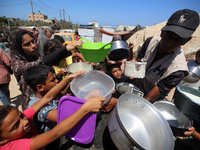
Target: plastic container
[83, 131]
[135, 69]
[94, 52]
[79, 66]
[93, 83]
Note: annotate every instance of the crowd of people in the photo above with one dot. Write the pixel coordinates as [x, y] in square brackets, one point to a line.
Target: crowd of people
[39, 66]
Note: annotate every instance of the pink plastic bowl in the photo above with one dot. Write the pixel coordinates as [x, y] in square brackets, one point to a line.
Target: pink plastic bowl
[83, 131]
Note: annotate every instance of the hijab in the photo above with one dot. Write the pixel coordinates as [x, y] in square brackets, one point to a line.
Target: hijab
[20, 62]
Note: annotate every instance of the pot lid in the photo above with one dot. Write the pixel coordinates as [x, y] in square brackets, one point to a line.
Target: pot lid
[143, 124]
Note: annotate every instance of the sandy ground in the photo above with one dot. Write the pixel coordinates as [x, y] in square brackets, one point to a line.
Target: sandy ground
[15, 94]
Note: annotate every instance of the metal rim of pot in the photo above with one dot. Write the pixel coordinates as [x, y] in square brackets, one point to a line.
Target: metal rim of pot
[163, 126]
[118, 51]
[185, 104]
[168, 109]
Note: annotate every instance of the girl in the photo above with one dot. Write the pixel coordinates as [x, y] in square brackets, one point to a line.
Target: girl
[17, 131]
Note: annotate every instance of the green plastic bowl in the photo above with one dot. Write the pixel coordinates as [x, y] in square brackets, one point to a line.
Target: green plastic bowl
[94, 52]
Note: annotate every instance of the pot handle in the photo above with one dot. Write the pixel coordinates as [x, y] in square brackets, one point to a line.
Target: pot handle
[84, 40]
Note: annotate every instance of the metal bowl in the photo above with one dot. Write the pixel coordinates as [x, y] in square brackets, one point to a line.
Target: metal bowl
[193, 76]
[124, 87]
[79, 66]
[187, 100]
[137, 122]
[118, 51]
[177, 120]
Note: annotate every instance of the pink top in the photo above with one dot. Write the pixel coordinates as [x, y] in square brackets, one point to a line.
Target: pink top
[22, 144]
[4, 73]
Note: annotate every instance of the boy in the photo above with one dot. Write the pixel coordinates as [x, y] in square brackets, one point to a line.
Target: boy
[166, 64]
[41, 79]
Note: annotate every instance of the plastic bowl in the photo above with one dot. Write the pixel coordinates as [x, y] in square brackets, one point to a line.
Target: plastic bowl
[91, 84]
[94, 52]
[83, 131]
[79, 66]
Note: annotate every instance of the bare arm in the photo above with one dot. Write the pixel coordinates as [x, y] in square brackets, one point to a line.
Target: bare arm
[153, 94]
[113, 33]
[54, 91]
[191, 132]
[91, 105]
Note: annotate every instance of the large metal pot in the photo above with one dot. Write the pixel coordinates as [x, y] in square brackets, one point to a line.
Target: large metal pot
[187, 100]
[136, 123]
[178, 122]
[118, 51]
[193, 76]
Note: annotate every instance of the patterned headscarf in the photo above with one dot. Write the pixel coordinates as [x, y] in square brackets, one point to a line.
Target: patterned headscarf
[20, 62]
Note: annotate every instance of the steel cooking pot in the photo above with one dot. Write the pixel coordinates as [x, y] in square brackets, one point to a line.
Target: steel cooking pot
[124, 87]
[118, 51]
[187, 100]
[193, 76]
[135, 122]
[178, 122]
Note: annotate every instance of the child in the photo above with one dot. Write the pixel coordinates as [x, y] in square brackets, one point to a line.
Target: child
[49, 47]
[41, 79]
[115, 71]
[16, 130]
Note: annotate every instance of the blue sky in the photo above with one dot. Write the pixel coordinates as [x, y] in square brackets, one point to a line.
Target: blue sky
[105, 12]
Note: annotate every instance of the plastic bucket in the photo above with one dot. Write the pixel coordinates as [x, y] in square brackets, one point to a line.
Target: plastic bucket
[94, 52]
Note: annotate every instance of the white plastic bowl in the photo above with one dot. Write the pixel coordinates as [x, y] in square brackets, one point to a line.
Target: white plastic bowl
[93, 83]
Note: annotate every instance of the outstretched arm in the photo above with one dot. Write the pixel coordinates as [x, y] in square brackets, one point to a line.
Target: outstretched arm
[54, 91]
[91, 105]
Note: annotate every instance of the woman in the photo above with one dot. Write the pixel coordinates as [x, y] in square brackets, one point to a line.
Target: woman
[24, 54]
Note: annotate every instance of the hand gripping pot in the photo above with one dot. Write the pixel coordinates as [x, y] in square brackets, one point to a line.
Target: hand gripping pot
[94, 52]
[91, 84]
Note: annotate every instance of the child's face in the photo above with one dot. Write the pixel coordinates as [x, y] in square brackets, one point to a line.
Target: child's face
[15, 126]
[117, 73]
[50, 82]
